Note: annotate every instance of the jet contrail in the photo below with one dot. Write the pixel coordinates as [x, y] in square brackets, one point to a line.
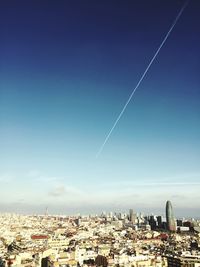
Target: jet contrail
[142, 77]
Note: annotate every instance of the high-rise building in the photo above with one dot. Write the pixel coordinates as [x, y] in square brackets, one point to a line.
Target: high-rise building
[160, 221]
[132, 216]
[171, 223]
[153, 222]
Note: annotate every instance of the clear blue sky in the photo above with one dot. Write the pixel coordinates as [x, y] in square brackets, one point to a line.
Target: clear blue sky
[66, 70]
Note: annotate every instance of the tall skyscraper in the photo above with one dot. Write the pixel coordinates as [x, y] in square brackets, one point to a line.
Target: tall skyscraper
[132, 216]
[171, 223]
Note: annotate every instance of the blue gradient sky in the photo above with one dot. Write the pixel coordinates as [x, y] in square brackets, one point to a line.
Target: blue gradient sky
[66, 70]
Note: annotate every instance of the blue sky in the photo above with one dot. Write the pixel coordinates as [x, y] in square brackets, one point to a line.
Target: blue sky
[66, 70]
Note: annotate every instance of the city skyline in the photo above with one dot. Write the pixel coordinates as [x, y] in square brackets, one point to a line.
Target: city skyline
[66, 71]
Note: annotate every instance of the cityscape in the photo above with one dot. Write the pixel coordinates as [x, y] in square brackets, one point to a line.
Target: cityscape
[99, 133]
[109, 239]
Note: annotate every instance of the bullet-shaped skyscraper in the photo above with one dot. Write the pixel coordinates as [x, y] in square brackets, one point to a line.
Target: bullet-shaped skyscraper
[171, 223]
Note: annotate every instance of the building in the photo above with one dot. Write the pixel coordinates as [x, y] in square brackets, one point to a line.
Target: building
[171, 223]
[183, 262]
[131, 216]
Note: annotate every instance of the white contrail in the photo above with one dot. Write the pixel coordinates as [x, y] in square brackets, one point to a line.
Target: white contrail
[143, 75]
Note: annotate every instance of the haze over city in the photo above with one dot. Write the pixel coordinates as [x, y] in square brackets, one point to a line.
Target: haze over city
[66, 71]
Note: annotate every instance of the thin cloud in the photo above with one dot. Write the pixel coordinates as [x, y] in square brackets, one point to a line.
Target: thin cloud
[69, 191]
[58, 191]
[6, 177]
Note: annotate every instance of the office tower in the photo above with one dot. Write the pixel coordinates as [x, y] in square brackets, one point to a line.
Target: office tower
[132, 216]
[153, 222]
[171, 224]
[160, 221]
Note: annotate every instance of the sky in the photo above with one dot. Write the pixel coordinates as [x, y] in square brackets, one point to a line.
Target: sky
[66, 70]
